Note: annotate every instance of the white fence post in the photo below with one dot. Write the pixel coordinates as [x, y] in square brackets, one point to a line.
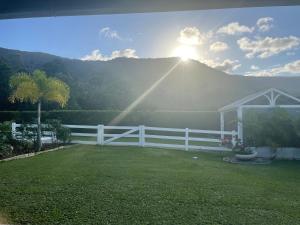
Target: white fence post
[142, 135]
[240, 123]
[100, 134]
[186, 140]
[13, 129]
[222, 124]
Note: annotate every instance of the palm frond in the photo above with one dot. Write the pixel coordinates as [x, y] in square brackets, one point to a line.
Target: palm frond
[57, 91]
[19, 78]
[36, 87]
[25, 91]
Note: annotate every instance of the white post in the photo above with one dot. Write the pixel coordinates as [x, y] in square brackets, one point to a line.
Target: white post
[222, 124]
[273, 100]
[142, 135]
[240, 123]
[100, 134]
[186, 140]
[13, 130]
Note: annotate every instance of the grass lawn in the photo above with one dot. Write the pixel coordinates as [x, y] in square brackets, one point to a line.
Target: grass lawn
[119, 185]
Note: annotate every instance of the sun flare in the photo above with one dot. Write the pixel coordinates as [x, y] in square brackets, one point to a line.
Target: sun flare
[186, 52]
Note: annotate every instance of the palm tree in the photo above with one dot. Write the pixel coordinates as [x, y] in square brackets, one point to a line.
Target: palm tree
[37, 88]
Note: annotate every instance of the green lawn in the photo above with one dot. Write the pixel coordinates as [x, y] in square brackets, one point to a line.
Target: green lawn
[119, 185]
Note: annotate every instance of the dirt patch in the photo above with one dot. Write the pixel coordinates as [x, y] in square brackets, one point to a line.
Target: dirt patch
[3, 219]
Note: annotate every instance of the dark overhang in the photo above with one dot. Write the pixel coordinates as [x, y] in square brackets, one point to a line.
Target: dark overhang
[46, 8]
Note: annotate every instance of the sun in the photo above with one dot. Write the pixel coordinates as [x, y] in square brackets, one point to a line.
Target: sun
[185, 52]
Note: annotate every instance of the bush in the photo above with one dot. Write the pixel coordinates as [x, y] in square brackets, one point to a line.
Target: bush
[26, 141]
[6, 150]
[63, 134]
[5, 131]
[275, 128]
[22, 146]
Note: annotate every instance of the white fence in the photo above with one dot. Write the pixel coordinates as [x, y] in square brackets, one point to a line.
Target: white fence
[47, 136]
[187, 139]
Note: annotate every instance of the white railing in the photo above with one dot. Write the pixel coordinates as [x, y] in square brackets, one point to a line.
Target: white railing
[178, 138]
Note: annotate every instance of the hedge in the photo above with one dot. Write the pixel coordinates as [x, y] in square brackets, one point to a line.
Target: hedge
[180, 119]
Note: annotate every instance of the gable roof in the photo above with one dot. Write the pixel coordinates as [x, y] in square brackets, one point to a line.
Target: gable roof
[271, 95]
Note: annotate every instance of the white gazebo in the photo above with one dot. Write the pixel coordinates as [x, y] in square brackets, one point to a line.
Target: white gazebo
[270, 98]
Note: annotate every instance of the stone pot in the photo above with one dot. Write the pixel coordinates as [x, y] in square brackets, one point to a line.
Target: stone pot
[252, 155]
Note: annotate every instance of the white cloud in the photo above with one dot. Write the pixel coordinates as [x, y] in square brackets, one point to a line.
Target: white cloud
[191, 36]
[268, 46]
[265, 24]
[227, 65]
[96, 55]
[109, 33]
[218, 46]
[292, 68]
[253, 67]
[235, 28]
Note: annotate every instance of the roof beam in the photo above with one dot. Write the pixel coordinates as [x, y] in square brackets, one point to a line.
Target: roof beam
[272, 100]
[46, 8]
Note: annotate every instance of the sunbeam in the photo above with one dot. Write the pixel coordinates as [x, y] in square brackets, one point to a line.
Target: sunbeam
[124, 113]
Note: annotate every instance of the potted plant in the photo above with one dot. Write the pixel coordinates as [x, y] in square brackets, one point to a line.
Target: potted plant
[243, 153]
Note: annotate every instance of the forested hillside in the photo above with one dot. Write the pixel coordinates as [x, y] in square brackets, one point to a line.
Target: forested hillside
[113, 85]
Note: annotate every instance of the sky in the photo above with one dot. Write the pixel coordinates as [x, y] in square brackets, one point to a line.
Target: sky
[250, 41]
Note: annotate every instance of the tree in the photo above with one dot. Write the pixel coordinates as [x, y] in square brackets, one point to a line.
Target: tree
[37, 88]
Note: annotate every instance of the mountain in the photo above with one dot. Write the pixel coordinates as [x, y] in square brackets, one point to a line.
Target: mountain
[117, 83]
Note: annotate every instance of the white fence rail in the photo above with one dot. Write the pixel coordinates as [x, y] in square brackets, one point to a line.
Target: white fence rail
[187, 139]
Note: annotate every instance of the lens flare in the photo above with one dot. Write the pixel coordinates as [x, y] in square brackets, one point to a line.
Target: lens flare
[185, 52]
[124, 113]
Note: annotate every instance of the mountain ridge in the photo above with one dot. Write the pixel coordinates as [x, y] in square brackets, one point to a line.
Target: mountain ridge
[116, 83]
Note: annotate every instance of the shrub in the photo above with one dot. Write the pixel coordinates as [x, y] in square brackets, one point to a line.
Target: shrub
[275, 128]
[22, 146]
[6, 150]
[63, 134]
[5, 131]
[176, 119]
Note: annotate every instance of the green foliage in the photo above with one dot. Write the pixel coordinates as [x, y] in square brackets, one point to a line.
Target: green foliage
[10, 146]
[22, 146]
[38, 87]
[197, 120]
[5, 131]
[26, 138]
[115, 84]
[6, 148]
[63, 134]
[275, 128]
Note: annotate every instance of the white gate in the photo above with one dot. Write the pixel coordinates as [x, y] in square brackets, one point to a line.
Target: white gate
[123, 138]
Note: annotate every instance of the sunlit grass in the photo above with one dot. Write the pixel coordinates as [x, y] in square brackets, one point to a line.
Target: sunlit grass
[121, 185]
